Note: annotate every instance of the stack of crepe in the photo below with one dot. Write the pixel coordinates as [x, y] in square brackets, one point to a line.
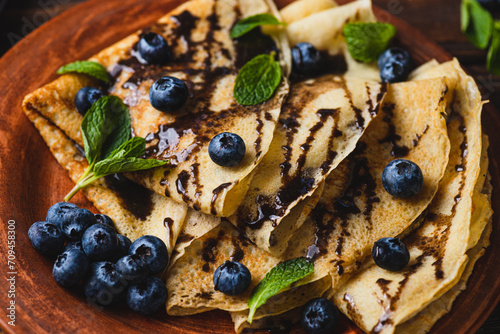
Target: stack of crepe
[310, 182]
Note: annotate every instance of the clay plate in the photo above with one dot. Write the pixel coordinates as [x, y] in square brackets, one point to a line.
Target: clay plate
[31, 181]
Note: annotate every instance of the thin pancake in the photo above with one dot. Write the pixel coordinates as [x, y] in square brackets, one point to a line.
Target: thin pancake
[208, 60]
[199, 257]
[481, 226]
[324, 29]
[354, 209]
[384, 299]
[135, 210]
[302, 8]
[320, 124]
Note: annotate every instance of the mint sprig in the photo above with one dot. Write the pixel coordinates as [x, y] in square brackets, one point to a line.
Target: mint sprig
[493, 58]
[367, 40]
[476, 23]
[277, 280]
[257, 80]
[108, 149]
[86, 67]
[247, 24]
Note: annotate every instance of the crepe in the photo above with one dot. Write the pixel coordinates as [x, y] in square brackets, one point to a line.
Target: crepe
[189, 278]
[481, 220]
[355, 210]
[378, 300]
[320, 124]
[208, 60]
[302, 8]
[136, 211]
[323, 29]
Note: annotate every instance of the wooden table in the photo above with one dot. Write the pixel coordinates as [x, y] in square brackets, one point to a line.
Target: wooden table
[438, 19]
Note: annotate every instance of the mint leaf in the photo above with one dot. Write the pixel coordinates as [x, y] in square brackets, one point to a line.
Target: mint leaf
[476, 23]
[247, 24]
[278, 280]
[122, 165]
[118, 123]
[367, 41]
[86, 67]
[257, 80]
[135, 147]
[493, 58]
[105, 127]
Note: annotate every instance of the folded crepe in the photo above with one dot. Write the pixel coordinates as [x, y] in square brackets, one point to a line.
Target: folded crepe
[189, 279]
[135, 210]
[355, 210]
[208, 60]
[378, 300]
[320, 124]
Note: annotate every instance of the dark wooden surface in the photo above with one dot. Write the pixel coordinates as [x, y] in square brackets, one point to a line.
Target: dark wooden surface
[437, 19]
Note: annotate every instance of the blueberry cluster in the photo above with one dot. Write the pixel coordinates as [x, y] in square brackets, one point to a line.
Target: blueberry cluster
[109, 266]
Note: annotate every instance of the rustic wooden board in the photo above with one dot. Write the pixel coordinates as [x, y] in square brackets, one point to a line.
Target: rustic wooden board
[31, 180]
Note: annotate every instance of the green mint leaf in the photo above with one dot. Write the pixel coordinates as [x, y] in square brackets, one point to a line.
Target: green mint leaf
[105, 127]
[247, 24]
[118, 119]
[257, 80]
[476, 23]
[367, 41]
[493, 58]
[278, 280]
[133, 148]
[86, 67]
[121, 165]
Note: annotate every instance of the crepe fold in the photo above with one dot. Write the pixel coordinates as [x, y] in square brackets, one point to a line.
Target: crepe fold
[136, 211]
[208, 60]
[355, 210]
[378, 300]
[320, 124]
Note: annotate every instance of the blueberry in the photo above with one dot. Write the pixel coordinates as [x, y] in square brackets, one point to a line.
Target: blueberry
[148, 296]
[123, 246]
[104, 285]
[75, 222]
[168, 94]
[153, 251]
[154, 48]
[57, 211]
[319, 316]
[86, 97]
[390, 254]
[232, 278]
[100, 242]
[103, 219]
[306, 59]
[46, 238]
[75, 244]
[132, 268]
[402, 178]
[227, 149]
[70, 267]
[395, 64]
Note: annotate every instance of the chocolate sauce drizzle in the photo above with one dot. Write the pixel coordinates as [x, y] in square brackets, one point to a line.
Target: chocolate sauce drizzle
[398, 151]
[134, 198]
[297, 184]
